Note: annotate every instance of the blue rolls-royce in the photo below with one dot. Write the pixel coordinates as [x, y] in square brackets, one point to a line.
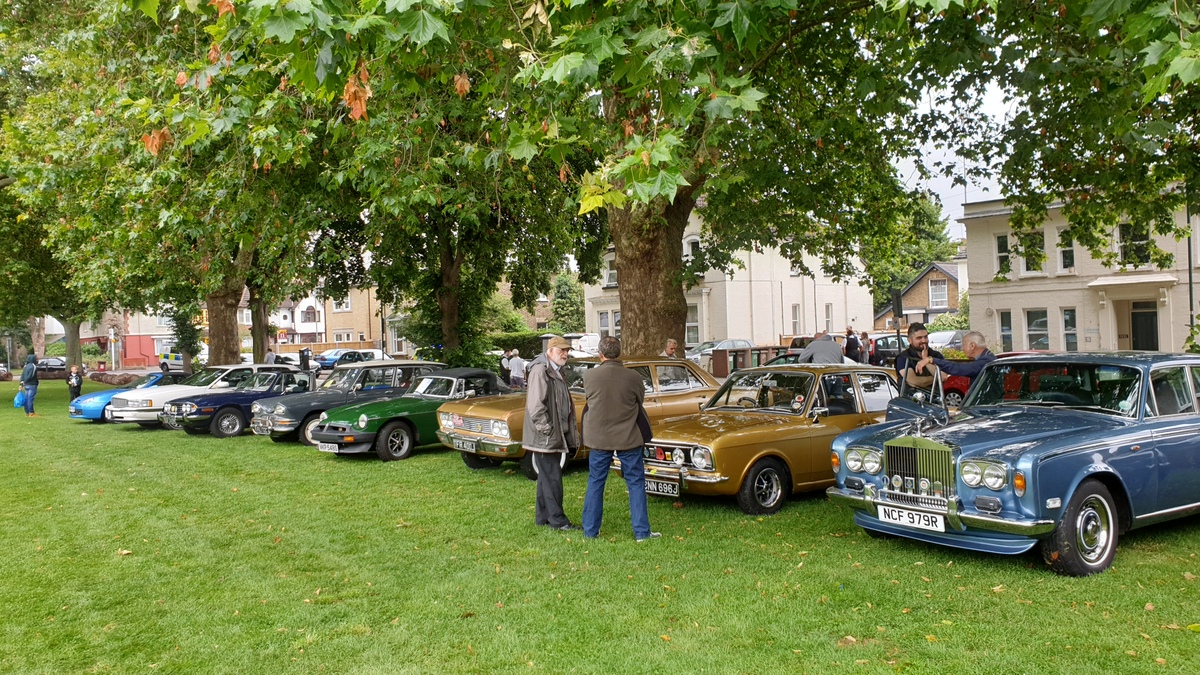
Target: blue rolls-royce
[94, 406]
[1065, 452]
[223, 412]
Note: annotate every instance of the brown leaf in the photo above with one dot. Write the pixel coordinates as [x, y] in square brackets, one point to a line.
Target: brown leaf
[223, 7]
[1189, 576]
[355, 95]
[214, 53]
[462, 85]
[122, 551]
[665, 638]
[181, 79]
[645, 158]
[1149, 607]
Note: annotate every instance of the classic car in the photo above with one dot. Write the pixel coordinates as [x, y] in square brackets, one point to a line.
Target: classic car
[223, 412]
[1064, 452]
[885, 346]
[392, 428]
[489, 432]
[294, 417]
[95, 406]
[334, 357]
[766, 433]
[144, 406]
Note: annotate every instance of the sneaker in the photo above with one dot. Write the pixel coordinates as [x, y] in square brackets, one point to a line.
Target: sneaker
[568, 527]
[652, 535]
[33, 415]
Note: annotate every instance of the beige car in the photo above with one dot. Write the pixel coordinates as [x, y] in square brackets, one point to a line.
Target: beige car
[488, 431]
[766, 433]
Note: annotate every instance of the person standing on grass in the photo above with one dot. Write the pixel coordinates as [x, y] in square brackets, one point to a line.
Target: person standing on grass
[550, 431]
[29, 382]
[75, 382]
[610, 424]
[516, 366]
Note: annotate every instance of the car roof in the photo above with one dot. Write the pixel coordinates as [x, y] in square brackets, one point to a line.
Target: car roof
[387, 362]
[1133, 359]
[460, 372]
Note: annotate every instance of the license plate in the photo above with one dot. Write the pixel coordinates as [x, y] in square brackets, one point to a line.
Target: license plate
[463, 444]
[327, 447]
[664, 488]
[922, 521]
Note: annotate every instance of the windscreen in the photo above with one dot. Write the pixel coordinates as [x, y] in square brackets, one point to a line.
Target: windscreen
[1100, 387]
[204, 377]
[341, 379]
[765, 390]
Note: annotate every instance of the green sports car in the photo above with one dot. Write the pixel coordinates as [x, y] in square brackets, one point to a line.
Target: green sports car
[394, 427]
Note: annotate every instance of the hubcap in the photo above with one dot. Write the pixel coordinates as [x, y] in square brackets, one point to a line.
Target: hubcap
[953, 400]
[398, 442]
[767, 488]
[308, 428]
[228, 424]
[1093, 529]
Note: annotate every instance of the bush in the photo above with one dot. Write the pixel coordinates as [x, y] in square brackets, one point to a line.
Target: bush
[527, 341]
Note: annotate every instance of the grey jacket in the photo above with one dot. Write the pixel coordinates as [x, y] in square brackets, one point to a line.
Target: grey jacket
[614, 397]
[821, 350]
[549, 411]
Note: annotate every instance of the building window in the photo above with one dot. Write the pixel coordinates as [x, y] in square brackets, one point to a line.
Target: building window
[543, 325]
[1135, 244]
[1070, 333]
[691, 249]
[342, 305]
[343, 337]
[310, 315]
[283, 317]
[244, 317]
[1037, 329]
[938, 296]
[362, 338]
[1066, 252]
[610, 276]
[603, 324]
[616, 324]
[691, 331]
[795, 319]
[162, 321]
[1006, 334]
[1002, 265]
[828, 316]
[1029, 265]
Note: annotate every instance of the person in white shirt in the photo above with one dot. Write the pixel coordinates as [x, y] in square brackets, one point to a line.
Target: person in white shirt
[516, 368]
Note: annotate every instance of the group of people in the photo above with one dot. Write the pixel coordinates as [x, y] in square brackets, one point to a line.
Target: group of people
[913, 364]
[825, 349]
[614, 423]
[512, 368]
[30, 383]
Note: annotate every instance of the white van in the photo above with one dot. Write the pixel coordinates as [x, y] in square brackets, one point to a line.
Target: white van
[584, 342]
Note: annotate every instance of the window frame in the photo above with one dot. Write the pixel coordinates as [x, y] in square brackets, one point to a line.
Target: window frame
[945, 302]
[1122, 242]
[1063, 268]
[1073, 331]
[1003, 254]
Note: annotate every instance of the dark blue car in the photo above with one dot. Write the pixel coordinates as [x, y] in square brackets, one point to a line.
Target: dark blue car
[223, 412]
[1062, 452]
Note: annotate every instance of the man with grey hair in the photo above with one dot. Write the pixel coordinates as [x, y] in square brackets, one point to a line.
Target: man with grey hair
[975, 347]
[821, 350]
[670, 349]
[550, 432]
[615, 395]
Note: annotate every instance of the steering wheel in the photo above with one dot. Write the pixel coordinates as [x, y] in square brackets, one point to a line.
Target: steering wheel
[748, 402]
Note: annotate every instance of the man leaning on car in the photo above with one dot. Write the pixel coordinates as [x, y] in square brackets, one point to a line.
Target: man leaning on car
[974, 347]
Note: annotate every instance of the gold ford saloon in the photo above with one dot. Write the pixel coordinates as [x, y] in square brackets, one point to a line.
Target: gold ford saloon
[488, 431]
[766, 433]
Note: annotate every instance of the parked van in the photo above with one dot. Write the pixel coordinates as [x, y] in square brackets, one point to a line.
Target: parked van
[584, 342]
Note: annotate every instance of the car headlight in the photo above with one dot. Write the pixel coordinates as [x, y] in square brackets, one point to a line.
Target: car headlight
[255, 408]
[280, 409]
[143, 403]
[971, 474]
[362, 421]
[702, 458]
[324, 416]
[187, 408]
[166, 408]
[678, 457]
[872, 462]
[994, 476]
[500, 429]
[854, 460]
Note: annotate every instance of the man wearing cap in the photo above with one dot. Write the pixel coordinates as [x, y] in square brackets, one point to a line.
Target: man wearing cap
[550, 432]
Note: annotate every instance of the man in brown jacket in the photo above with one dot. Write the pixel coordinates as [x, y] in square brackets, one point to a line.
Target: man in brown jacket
[610, 427]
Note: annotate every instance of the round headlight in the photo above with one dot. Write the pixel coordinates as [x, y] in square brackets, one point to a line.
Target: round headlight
[500, 429]
[872, 462]
[280, 409]
[324, 416]
[678, 457]
[971, 474]
[187, 408]
[702, 458]
[994, 476]
[255, 408]
[854, 460]
[445, 420]
[362, 421]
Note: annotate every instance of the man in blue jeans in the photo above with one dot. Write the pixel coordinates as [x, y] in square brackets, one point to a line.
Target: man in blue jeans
[29, 381]
[614, 397]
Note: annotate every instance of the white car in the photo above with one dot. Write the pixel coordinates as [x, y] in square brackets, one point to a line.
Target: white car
[143, 405]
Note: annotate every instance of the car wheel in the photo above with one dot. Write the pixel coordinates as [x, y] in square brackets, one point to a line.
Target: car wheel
[105, 415]
[175, 426]
[306, 428]
[954, 399]
[1085, 541]
[474, 461]
[765, 489]
[527, 468]
[227, 422]
[394, 441]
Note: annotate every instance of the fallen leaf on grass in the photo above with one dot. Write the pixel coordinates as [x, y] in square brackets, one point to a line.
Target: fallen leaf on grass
[847, 641]
[123, 551]
[998, 589]
[931, 638]
[466, 615]
[1149, 607]
[925, 579]
[1194, 627]
[1130, 652]
[665, 638]
[1189, 576]
[1161, 662]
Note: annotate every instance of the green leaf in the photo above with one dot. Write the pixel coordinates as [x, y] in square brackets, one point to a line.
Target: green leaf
[148, 7]
[421, 27]
[399, 5]
[1187, 68]
[1103, 10]
[302, 6]
[562, 67]
[521, 148]
[284, 28]
[1159, 51]
[733, 14]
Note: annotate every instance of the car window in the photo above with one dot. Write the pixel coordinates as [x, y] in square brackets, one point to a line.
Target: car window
[1172, 395]
[1196, 384]
[838, 395]
[236, 375]
[877, 390]
[378, 378]
[676, 378]
[647, 381]
[764, 390]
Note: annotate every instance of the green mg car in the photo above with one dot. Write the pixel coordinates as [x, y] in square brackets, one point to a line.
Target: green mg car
[394, 427]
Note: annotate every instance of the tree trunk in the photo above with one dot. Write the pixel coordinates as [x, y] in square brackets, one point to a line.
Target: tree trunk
[448, 295]
[260, 328]
[74, 350]
[649, 245]
[223, 344]
[37, 335]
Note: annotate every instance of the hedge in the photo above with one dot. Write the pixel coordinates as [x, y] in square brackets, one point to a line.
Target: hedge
[528, 342]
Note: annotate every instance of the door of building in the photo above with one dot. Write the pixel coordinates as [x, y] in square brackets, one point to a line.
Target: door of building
[1144, 326]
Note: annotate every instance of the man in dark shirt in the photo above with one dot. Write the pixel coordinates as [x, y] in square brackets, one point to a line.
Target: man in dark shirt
[918, 348]
[851, 345]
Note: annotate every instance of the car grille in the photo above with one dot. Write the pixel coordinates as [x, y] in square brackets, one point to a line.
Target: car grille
[336, 428]
[119, 403]
[919, 472]
[663, 453]
[473, 424]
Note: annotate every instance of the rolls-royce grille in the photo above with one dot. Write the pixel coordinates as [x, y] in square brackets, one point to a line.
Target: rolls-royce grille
[919, 472]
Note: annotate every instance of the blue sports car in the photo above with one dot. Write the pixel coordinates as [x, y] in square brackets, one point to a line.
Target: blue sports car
[1062, 452]
[223, 412]
[94, 406]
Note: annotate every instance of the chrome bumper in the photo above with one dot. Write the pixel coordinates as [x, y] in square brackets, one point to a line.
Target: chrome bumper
[680, 473]
[868, 498]
[484, 446]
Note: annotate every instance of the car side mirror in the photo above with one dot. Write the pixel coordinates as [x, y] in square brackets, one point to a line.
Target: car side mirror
[470, 393]
[358, 387]
[817, 413]
[223, 384]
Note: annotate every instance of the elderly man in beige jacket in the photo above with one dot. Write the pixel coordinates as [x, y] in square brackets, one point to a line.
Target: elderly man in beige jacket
[610, 427]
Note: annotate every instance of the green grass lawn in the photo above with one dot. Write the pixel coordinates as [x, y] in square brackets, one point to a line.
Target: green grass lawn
[133, 550]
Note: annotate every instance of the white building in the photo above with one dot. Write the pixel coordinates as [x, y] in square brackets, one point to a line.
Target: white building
[761, 302]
